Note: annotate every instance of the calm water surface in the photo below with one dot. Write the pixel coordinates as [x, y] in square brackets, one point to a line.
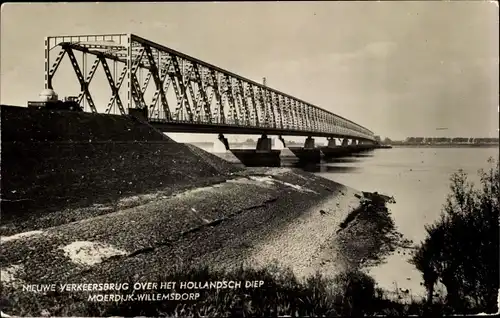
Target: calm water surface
[418, 178]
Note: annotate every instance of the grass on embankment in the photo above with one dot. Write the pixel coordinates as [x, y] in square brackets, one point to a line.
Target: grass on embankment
[349, 293]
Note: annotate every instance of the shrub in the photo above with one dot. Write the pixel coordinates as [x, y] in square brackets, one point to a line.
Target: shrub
[461, 249]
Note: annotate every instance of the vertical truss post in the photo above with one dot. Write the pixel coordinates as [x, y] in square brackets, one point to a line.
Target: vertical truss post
[305, 114]
[269, 109]
[302, 124]
[180, 89]
[282, 111]
[291, 120]
[201, 90]
[289, 103]
[286, 112]
[242, 102]
[137, 95]
[232, 106]
[129, 71]
[322, 121]
[48, 79]
[261, 99]
[237, 99]
[187, 75]
[269, 101]
[251, 93]
[314, 120]
[265, 106]
[84, 64]
[219, 108]
[276, 110]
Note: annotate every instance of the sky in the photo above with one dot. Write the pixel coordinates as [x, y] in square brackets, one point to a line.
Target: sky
[398, 68]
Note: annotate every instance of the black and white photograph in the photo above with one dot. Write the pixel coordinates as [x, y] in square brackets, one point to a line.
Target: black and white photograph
[249, 159]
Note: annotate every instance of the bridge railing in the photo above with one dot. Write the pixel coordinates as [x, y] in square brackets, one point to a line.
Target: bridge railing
[185, 88]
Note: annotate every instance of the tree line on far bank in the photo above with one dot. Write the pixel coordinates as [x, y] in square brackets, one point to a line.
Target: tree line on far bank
[441, 140]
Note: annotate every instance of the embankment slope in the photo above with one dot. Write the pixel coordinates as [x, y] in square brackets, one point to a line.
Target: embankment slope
[55, 160]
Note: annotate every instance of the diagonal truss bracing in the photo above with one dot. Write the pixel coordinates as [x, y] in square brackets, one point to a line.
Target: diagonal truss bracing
[184, 89]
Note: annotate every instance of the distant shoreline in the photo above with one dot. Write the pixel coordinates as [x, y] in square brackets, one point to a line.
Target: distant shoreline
[447, 146]
[210, 144]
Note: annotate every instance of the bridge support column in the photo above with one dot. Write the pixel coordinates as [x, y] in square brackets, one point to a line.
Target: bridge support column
[282, 141]
[332, 143]
[262, 156]
[309, 143]
[345, 142]
[224, 141]
[264, 144]
[354, 142]
[307, 154]
[332, 151]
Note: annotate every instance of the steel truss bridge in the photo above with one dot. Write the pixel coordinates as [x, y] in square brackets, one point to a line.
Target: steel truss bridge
[189, 95]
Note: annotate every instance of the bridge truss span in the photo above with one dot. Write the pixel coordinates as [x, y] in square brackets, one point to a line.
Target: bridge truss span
[178, 89]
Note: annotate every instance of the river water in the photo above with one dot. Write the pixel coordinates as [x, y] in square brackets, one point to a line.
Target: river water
[419, 180]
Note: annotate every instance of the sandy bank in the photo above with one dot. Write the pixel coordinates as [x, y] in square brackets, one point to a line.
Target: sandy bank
[299, 245]
[228, 221]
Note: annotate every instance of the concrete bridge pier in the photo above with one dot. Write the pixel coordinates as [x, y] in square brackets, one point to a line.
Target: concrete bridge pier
[262, 156]
[363, 146]
[332, 150]
[345, 142]
[308, 153]
[264, 144]
[309, 143]
[332, 142]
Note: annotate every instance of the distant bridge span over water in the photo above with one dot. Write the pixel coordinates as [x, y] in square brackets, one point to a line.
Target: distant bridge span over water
[187, 94]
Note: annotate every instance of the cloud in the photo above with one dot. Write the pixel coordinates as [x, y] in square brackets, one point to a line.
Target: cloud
[378, 50]
[341, 61]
